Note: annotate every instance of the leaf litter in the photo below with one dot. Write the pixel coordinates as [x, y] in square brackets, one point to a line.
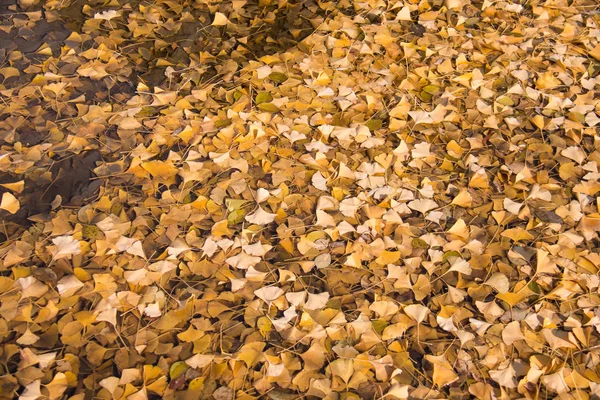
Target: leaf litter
[277, 199]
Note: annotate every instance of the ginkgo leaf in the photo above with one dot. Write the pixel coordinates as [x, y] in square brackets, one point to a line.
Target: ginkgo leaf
[443, 373]
[422, 205]
[107, 15]
[209, 247]
[420, 117]
[319, 181]
[506, 377]
[28, 338]
[404, 14]
[462, 266]
[268, 294]
[243, 260]
[459, 230]
[124, 243]
[294, 136]
[253, 275]
[547, 81]
[463, 199]
[33, 391]
[314, 357]
[381, 367]
[153, 310]
[323, 260]
[517, 234]
[349, 207]
[422, 150]
[446, 324]
[9, 203]
[453, 4]
[512, 206]
[417, 312]
[68, 285]
[260, 217]
[199, 360]
[31, 287]
[283, 323]
[16, 187]
[575, 153]
[316, 301]
[262, 195]
[275, 369]
[9, 72]
[325, 220]
[162, 267]
[160, 169]
[512, 333]
[384, 308]
[343, 368]
[296, 298]
[538, 192]
[399, 391]
[57, 386]
[556, 382]
[499, 282]
[111, 384]
[66, 246]
[136, 249]
[257, 249]
[545, 264]
[263, 97]
[558, 339]
[177, 247]
[220, 19]
[138, 277]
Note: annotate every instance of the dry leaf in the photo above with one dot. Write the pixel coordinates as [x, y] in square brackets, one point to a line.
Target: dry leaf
[268, 294]
[66, 246]
[417, 312]
[171, 170]
[260, 217]
[220, 19]
[9, 203]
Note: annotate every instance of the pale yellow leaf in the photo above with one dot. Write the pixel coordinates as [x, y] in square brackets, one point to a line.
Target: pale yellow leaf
[9, 203]
[220, 19]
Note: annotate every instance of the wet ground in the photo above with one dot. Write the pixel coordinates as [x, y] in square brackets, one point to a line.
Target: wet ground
[38, 41]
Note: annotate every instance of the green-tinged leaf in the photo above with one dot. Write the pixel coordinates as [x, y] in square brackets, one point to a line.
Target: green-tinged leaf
[263, 97]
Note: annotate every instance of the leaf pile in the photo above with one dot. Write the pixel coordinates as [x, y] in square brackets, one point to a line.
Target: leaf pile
[273, 199]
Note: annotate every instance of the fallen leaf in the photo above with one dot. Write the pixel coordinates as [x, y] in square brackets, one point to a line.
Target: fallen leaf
[9, 203]
[260, 217]
[66, 246]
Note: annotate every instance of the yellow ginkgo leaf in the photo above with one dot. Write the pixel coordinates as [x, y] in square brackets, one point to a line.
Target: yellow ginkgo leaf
[517, 234]
[220, 19]
[463, 199]
[160, 169]
[506, 377]
[384, 308]
[443, 373]
[417, 312]
[9, 203]
[547, 81]
[343, 368]
[16, 187]
[512, 333]
[260, 217]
